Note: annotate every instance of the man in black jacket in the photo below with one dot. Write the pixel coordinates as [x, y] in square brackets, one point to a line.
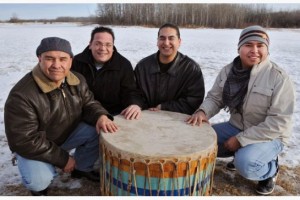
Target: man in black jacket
[109, 75]
[168, 79]
[49, 112]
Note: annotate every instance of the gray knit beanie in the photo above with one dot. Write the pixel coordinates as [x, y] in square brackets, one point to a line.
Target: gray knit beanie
[54, 44]
[256, 33]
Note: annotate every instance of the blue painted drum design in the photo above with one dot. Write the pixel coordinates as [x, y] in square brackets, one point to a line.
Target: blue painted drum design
[158, 155]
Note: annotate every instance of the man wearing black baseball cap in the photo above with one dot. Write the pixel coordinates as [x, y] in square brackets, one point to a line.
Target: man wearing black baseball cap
[49, 112]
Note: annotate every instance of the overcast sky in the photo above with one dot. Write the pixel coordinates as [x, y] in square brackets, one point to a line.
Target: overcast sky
[46, 11]
[54, 10]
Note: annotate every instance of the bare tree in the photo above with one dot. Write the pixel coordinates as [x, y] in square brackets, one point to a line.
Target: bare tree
[14, 18]
[193, 15]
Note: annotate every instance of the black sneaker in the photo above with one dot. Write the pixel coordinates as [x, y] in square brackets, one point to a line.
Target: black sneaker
[230, 166]
[92, 175]
[267, 186]
[40, 193]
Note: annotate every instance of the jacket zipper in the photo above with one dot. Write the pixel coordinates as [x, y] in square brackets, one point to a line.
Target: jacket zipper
[64, 95]
[65, 102]
[91, 67]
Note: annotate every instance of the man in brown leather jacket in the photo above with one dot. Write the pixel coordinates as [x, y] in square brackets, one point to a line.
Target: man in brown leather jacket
[49, 112]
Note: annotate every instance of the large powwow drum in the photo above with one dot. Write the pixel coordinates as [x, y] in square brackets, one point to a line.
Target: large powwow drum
[158, 155]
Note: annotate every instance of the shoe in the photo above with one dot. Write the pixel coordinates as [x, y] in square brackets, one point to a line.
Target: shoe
[39, 193]
[267, 186]
[92, 175]
[230, 166]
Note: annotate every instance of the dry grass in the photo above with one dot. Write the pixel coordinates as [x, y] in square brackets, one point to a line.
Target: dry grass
[226, 183]
[231, 183]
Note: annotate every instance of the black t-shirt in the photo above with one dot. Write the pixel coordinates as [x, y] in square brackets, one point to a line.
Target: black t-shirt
[165, 67]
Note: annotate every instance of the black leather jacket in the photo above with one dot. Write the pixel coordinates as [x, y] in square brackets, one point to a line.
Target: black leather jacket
[39, 117]
[113, 85]
[180, 89]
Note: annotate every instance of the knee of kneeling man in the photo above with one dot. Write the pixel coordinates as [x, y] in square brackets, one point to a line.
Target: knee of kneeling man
[37, 183]
[248, 169]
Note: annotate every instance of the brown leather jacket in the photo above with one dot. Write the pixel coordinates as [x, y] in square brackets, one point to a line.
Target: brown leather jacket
[39, 117]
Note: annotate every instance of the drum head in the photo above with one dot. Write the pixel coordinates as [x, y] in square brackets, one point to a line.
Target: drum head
[159, 135]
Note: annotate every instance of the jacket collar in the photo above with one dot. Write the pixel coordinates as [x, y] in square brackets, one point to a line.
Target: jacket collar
[45, 84]
[257, 68]
[173, 69]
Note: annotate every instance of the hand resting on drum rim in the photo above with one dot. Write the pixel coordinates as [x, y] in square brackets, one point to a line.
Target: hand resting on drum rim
[197, 118]
[105, 124]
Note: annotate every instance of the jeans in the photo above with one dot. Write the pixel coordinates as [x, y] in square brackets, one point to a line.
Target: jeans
[37, 175]
[254, 161]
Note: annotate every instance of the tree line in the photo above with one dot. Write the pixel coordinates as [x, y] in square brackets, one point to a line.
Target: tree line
[196, 15]
[83, 20]
[185, 15]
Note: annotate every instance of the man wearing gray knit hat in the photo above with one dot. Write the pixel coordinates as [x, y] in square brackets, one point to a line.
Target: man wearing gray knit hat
[49, 112]
[260, 98]
[54, 44]
[256, 33]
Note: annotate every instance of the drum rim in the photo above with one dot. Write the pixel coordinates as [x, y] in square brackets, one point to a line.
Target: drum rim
[123, 153]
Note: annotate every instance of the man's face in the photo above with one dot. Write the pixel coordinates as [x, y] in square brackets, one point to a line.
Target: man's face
[252, 53]
[55, 65]
[102, 47]
[168, 44]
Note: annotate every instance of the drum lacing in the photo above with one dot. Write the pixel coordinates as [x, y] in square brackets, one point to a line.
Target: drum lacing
[161, 164]
[119, 177]
[147, 178]
[132, 171]
[213, 156]
[175, 180]
[188, 176]
[103, 170]
[136, 192]
[200, 186]
[161, 175]
[197, 176]
[109, 185]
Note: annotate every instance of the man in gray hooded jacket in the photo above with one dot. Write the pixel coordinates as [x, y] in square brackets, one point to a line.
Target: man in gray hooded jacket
[261, 99]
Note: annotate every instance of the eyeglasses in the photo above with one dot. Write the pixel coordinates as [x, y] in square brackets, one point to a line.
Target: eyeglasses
[107, 45]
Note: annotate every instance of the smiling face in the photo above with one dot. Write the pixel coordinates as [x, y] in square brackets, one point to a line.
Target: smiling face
[102, 47]
[55, 65]
[253, 53]
[168, 43]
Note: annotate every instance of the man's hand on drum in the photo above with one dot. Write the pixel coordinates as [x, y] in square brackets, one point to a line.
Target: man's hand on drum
[132, 112]
[106, 125]
[197, 118]
[157, 108]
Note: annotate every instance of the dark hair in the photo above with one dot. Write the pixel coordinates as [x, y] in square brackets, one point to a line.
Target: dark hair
[170, 25]
[102, 29]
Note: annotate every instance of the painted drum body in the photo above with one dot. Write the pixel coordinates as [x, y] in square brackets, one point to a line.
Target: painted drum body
[158, 155]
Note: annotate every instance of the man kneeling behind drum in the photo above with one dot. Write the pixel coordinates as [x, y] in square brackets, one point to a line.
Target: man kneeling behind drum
[49, 112]
[261, 99]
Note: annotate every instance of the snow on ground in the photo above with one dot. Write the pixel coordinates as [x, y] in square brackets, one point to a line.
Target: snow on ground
[211, 48]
